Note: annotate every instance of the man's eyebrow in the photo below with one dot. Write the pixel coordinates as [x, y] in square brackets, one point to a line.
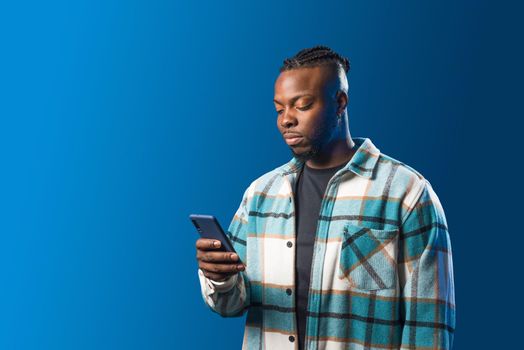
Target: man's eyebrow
[294, 98]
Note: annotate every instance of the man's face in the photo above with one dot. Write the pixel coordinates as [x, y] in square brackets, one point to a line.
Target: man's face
[305, 100]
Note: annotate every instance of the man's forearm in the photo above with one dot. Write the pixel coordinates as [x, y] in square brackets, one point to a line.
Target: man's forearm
[229, 298]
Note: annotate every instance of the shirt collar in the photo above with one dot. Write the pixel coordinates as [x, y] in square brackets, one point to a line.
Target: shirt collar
[362, 163]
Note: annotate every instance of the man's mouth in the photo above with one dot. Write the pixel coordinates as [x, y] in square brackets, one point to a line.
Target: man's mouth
[292, 138]
[291, 141]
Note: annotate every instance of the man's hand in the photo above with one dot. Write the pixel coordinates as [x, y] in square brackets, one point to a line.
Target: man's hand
[216, 265]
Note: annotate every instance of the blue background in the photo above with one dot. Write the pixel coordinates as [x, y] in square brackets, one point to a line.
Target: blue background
[120, 118]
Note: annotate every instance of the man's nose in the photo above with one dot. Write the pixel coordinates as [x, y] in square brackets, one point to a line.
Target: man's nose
[288, 119]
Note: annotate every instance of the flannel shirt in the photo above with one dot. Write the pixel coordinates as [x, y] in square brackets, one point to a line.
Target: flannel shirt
[382, 270]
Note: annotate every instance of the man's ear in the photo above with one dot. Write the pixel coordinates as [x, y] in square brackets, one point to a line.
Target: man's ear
[342, 101]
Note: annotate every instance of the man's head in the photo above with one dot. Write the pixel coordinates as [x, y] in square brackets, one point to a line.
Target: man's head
[311, 96]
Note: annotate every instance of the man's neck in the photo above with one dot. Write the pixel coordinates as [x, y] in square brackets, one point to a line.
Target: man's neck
[339, 152]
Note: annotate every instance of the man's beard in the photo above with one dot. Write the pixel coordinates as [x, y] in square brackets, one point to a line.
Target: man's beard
[317, 143]
[312, 152]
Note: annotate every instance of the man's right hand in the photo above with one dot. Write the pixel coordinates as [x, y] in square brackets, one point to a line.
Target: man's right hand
[216, 265]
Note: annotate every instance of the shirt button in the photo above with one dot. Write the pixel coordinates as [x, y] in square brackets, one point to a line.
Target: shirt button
[291, 338]
[289, 291]
[289, 244]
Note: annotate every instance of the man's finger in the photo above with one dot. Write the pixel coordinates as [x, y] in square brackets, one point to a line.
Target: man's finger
[220, 268]
[210, 256]
[207, 244]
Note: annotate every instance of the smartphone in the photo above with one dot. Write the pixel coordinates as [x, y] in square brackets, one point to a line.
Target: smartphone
[208, 227]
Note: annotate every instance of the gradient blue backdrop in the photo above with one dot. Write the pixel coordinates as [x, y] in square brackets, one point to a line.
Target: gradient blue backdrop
[120, 118]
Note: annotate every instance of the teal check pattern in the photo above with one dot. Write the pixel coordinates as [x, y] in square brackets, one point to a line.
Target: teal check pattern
[382, 270]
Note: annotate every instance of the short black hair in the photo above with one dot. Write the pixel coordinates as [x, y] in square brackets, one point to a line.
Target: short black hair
[315, 56]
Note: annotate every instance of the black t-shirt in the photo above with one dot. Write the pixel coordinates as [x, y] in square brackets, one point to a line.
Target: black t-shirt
[309, 190]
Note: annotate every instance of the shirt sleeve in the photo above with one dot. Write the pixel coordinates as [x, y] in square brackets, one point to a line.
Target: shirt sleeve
[230, 298]
[426, 279]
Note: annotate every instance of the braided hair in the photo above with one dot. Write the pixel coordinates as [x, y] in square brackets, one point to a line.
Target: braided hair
[315, 56]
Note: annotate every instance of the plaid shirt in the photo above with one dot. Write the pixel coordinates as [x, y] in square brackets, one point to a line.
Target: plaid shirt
[382, 270]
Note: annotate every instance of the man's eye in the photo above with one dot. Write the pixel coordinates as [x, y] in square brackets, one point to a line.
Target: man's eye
[280, 111]
[303, 108]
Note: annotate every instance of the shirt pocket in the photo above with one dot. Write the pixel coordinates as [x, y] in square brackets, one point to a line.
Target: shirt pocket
[368, 257]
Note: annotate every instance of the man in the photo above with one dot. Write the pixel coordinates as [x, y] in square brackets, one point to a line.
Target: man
[345, 247]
